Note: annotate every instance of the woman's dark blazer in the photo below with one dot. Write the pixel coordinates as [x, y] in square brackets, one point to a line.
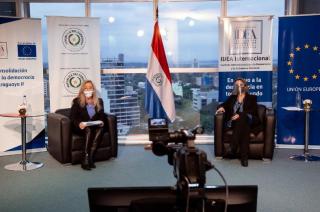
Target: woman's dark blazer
[79, 114]
[250, 106]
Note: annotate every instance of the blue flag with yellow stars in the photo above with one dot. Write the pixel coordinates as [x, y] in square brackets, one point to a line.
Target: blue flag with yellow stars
[298, 78]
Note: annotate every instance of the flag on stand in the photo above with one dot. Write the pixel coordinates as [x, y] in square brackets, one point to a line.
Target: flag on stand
[159, 99]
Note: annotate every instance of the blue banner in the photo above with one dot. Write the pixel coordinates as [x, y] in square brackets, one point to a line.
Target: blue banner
[258, 82]
[298, 75]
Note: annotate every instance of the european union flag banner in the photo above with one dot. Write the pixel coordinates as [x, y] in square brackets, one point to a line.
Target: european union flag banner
[159, 99]
[27, 50]
[298, 77]
[246, 52]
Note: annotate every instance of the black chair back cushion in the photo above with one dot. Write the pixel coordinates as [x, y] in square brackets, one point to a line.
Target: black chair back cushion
[64, 111]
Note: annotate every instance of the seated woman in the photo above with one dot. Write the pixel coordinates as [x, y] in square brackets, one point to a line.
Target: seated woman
[241, 114]
[88, 107]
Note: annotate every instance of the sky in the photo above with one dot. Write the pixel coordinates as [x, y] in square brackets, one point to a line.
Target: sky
[189, 29]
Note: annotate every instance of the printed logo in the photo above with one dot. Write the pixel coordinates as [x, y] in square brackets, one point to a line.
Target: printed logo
[157, 79]
[3, 50]
[73, 81]
[303, 62]
[73, 39]
[246, 37]
[27, 50]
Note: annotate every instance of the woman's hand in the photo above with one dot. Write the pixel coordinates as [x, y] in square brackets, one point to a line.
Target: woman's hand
[235, 117]
[220, 110]
[82, 125]
[102, 124]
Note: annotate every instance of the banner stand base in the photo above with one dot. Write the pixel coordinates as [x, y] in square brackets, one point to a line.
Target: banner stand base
[305, 157]
[23, 166]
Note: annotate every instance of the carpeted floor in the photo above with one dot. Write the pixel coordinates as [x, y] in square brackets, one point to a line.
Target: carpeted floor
[284, 185]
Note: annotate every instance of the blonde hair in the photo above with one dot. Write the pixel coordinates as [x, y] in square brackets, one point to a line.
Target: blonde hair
[82, 98]
[245, 88]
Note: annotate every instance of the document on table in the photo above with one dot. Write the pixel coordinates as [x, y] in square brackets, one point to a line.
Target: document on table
[92, 123]
[292, 108]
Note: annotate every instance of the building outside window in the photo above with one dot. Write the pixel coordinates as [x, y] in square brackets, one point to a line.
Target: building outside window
[190, 34]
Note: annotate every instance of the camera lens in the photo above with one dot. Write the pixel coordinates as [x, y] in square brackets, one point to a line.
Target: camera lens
[159, 148]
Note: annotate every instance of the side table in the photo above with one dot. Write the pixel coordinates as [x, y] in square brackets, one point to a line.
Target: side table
[306, 156]
[24, 164]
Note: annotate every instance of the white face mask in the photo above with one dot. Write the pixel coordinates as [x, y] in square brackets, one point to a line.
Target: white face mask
[239, 89]
[88, 93]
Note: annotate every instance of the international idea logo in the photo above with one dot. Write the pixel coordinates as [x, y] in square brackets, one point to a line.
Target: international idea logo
[73, 80]
[3, 50]
[303, 63]
[27, 50]
[246, 37]
[73, 39]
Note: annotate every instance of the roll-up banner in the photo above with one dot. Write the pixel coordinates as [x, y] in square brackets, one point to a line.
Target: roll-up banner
[298, 79]
[246, 51]
[73, 56]
[21, 73]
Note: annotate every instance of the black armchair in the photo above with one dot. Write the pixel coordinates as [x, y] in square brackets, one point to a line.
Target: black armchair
[67, 147]
[261, 145]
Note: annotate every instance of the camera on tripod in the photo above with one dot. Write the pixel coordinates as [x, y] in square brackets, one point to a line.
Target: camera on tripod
[189, 163]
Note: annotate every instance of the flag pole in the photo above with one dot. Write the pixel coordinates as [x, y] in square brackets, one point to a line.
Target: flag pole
[155, 10]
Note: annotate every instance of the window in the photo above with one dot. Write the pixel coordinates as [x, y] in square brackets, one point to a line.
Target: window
[188, 32]
[190, 35]
[196, 97]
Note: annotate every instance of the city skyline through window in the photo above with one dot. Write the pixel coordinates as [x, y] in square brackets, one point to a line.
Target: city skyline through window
[190, 35]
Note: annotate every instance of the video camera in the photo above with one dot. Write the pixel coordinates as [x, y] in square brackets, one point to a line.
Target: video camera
[160, 136]
[190, 164]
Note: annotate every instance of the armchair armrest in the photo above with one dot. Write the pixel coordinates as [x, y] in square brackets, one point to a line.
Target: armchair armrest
[113, 132]
[218, 134]
[59, 145]
[269, 133]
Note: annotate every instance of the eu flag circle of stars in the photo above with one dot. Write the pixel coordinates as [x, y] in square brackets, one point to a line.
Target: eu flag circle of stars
[298, 74]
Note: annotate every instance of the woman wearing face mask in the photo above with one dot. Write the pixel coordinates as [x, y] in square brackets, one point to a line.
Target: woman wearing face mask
[241, 115]
[88, 107]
